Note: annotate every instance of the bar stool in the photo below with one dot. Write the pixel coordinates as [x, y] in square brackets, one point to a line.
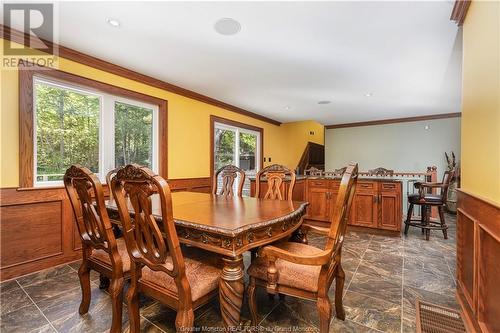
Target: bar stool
[427, 199]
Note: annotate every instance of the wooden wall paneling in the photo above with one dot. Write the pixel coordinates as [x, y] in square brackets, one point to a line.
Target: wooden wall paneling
[465, 255]
[36, 229]
[488, 276]
[478, 271]
[202, 184]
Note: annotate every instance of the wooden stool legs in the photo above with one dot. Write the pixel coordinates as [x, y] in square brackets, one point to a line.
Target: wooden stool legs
[443, 222]
[408, 218]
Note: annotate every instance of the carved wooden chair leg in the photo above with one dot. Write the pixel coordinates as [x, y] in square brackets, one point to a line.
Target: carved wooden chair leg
[339, 291]
[408, 218]
[116, 292]
[325, 313]
[443, 222]
[84, 276]
[184, 321]
[104, 282]
[252, 304]
[133, 307]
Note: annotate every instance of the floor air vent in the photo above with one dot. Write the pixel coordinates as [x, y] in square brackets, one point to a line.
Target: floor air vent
[437, 319]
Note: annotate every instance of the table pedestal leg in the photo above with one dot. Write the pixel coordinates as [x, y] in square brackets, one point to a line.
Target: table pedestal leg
[231, 289]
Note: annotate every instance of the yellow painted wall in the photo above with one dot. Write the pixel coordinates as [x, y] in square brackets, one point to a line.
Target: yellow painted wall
[481, 100]
[297, 135]
[188, 127]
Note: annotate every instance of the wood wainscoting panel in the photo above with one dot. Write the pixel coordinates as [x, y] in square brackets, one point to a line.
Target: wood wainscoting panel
[36, 227]
[478, 270]
[202, 184]
[465, 255]
[30, 232]
[488, 293]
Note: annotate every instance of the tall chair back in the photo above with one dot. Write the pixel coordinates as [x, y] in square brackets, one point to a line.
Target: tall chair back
[149, 242]
[87, 200]
[228, 173]
[275, 175]
[342, 206]
[447, 178]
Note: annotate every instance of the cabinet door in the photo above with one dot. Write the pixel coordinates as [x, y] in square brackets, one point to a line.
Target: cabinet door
[364, 210]
[319, 204]
[390, 206]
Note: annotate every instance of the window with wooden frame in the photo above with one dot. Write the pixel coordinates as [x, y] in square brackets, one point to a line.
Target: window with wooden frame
[67, 119]
[235, 143]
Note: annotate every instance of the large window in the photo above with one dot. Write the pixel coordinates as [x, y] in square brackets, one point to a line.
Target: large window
[238, 146]
[74, 124]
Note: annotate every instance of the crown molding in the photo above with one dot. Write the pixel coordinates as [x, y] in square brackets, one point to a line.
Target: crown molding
[396, 120]
[459, 11]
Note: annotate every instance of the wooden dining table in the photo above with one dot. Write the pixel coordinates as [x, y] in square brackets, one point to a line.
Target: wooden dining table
[229, 226]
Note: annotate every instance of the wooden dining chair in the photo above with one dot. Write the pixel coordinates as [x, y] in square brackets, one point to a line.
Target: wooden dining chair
[304, 271]
[228, 173]
[158, 268]
[275, 175]
[109, 176]
[101, 251]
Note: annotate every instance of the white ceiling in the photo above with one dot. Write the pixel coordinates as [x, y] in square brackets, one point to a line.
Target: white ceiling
[406, 54]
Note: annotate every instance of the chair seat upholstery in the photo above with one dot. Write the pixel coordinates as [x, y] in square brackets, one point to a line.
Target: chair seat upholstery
[203, 270]
[430, 198]
[103, 256]
[290, 274]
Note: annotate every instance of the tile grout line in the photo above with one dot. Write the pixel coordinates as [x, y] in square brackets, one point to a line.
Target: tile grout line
[149, 321]
[274, 307]
[36, 305]
[356, 270]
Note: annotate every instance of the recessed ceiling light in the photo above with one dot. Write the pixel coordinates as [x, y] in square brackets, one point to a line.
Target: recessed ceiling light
[427, 127]
[287, 107]
[368, 94]
[324, 102]
[227, 26]
[113, 22]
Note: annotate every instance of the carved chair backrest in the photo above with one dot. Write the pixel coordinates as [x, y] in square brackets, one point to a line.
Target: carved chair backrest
[447, 178]
[228, 174]
[339, 224]
[151, 243]
[312, 171]
[275, 175]
[87, 199]
[381, 172]
[109, 176]
[343, 205]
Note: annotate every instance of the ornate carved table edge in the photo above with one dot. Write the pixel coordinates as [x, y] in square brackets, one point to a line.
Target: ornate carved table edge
[232, 243]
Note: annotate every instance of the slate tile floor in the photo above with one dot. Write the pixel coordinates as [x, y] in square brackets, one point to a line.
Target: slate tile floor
[384, 277]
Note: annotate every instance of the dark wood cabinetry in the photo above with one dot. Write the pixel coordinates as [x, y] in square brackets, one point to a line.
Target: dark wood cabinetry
[377, 204]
